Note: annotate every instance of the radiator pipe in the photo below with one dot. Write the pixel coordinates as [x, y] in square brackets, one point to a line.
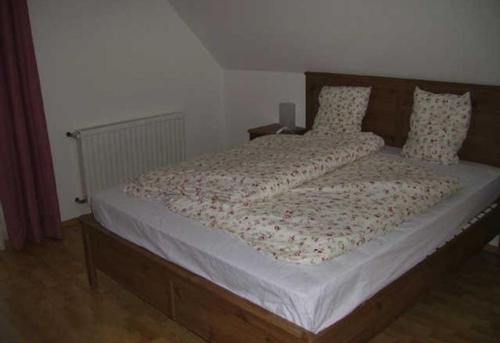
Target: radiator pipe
[74, 134]
[81, 200]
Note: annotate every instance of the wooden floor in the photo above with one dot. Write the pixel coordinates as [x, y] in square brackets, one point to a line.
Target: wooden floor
[44, 297]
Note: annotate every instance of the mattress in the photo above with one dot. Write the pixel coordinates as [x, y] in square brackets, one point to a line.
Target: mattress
[311, 296]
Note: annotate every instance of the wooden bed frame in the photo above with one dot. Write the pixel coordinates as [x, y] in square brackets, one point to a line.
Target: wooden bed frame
[218, 315]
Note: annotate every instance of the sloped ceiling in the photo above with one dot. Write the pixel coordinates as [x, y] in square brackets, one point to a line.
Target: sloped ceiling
[362, 36]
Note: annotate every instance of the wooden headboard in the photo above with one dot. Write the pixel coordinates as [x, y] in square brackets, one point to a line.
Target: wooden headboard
[391, 102]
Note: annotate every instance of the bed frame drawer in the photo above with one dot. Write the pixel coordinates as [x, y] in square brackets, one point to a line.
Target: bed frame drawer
[216, 320]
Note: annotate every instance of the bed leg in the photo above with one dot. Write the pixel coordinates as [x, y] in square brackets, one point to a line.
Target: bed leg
[89, 257]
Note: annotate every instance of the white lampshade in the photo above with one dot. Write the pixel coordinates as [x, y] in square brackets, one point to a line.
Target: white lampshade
[287, 114]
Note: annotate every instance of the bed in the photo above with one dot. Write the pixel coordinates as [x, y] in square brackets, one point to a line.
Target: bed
[220, 297]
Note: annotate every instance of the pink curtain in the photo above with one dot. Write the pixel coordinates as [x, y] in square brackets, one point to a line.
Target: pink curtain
[27, 185]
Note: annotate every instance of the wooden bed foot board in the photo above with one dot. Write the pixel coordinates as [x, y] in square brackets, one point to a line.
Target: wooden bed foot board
[209, 311]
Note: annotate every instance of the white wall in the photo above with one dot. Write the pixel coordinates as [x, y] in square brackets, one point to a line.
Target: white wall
[105, 61]
[251, 99]
[455, 40]
[446, 40]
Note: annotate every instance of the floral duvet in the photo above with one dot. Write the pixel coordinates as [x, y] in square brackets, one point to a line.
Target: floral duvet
[344, 196]
[258, 169]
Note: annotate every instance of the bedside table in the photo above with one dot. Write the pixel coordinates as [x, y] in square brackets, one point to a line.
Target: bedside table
[271, 130]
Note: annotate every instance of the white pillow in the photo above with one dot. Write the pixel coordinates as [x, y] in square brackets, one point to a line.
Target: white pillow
[438, 126]
[341, 110]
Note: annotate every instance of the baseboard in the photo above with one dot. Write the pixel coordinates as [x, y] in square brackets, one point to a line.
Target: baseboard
[70, 223]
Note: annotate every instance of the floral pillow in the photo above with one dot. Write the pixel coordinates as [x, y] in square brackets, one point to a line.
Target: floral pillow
[341, 110]
[438, 126]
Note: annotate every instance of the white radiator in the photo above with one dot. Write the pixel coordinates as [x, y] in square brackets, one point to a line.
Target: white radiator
[111, 154]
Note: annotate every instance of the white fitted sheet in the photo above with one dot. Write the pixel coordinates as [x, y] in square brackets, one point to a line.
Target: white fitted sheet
[313, 297]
